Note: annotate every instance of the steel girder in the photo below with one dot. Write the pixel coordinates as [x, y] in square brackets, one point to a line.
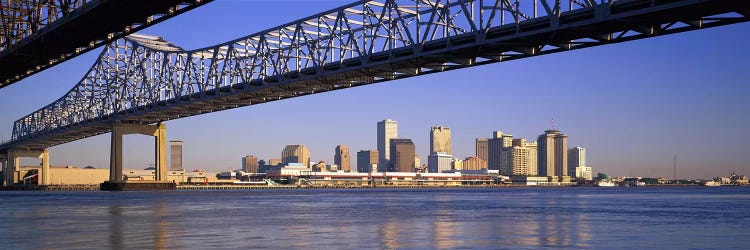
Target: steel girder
[144, 79]
[38, 34]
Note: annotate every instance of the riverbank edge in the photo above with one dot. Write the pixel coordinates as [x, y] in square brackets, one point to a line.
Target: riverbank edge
[292, 187]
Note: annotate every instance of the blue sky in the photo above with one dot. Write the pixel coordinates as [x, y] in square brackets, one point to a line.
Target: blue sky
[632, 105]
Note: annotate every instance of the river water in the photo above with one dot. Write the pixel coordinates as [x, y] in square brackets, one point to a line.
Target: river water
[530, 218]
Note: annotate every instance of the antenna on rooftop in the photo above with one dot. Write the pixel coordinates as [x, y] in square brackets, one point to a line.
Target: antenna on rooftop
[553, 123]
[674, 173]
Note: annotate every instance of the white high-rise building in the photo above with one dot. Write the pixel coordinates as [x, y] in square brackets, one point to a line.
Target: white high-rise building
[387, 130]
[576, 158]
[585, 173]
[439, 162]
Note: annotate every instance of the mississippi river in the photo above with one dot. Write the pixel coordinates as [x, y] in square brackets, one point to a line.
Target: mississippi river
[530, 218]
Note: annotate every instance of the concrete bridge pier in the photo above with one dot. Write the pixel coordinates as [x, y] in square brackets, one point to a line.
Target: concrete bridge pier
[116, 182]
[11, 165]
[4, 163]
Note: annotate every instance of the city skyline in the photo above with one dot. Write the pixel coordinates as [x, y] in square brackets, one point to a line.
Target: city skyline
[707, 105]
[243, 124]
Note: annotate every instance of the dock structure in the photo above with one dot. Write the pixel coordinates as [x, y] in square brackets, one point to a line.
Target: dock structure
[138, 186]
[50, 188]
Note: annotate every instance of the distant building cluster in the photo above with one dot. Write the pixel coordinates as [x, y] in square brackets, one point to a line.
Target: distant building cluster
[548, 158]
[548, 161]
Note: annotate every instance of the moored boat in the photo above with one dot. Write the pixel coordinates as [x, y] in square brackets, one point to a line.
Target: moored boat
[711, 184]
[605, 183]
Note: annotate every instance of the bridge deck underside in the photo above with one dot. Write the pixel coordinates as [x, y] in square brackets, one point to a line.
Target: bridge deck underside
[576, 30]
[85, 29]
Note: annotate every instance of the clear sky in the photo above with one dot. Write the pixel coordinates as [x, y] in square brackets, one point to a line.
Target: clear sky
[632, 105]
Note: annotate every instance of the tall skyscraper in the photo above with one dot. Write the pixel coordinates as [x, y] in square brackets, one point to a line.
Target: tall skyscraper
[387, 130]
[482, 150]
[495, 146]
[440, 140]
[506, 155]
[175, 156]
[365, 159]
[523, 156]
[533, 158]
[342, 158]
[402, 154]
[552, 153]
[295, 154]
[576, 158]
[250, 164]
[439, 162]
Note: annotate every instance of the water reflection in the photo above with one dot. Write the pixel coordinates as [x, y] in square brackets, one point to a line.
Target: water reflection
[319, 219]
[583, 219]
[390, 234]
[160, 230]
[143, 226]
[115, 227]
[445, 230]
[563, 223]
[528, 232]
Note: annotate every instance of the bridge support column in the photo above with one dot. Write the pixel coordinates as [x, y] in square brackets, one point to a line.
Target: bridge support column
[159, 132]
[115, 155]
[160, 155]
[12, 169]
[4, 162]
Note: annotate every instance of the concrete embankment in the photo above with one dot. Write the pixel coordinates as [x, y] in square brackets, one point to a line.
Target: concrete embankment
[248, 187]
[263, 187]
[51, 188]
[243, 187]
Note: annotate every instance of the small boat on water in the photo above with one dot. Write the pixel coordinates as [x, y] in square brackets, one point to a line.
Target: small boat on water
[711, 184]
[605, 183]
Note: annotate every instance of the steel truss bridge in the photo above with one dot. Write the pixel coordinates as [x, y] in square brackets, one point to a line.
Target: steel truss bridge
[38, 34]
[145, 80]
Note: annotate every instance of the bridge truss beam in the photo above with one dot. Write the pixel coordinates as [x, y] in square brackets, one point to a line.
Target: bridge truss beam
[38, 34]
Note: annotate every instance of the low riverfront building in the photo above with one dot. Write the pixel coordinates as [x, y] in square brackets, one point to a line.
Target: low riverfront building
[297, 174]
[72, 175]
[540, 181]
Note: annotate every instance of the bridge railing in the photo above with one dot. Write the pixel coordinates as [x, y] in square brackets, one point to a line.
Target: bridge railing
[139, 70]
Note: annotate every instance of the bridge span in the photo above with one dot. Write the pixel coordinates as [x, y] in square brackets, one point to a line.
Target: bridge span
[140, 80]
[38, 34]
